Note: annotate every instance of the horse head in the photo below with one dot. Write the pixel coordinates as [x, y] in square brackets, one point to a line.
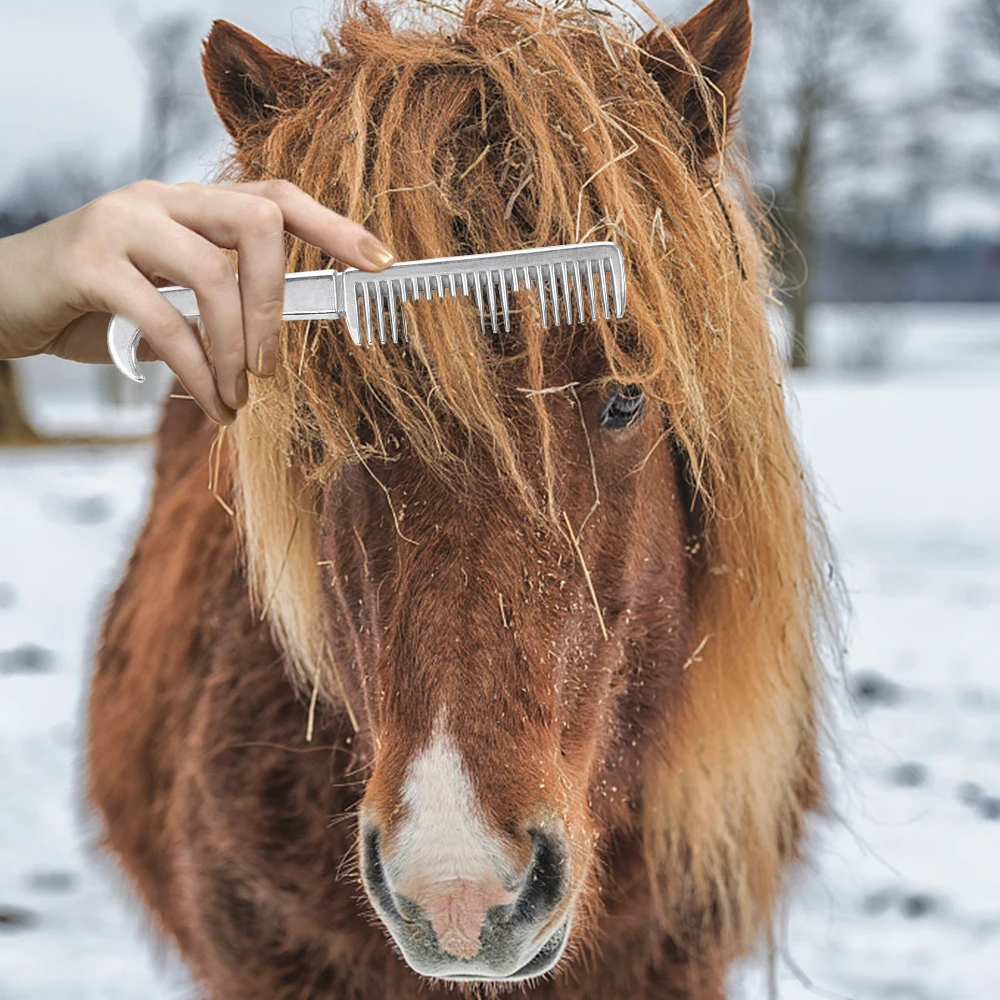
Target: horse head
[514, 561]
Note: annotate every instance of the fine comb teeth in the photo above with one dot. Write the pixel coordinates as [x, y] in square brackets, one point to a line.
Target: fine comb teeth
[563, 277]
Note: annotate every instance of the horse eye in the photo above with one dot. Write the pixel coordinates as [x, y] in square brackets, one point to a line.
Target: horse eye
[623, 409]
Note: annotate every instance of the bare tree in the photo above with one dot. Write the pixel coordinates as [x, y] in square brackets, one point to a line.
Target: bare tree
[813, 122]
[974, 92]
[62, 184]
[176, 122]
[15, 427]
[178, 117]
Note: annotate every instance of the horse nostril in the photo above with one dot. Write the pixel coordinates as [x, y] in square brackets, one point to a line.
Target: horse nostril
[408, 911]
[547, 880]
[371, 859]
[374, 874]
[378, 883]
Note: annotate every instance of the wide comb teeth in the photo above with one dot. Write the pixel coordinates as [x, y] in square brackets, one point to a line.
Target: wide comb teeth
[564, 280]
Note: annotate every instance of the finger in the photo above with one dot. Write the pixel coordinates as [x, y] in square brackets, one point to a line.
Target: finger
[251, 217]
[171, 249]
[254, 226]
[170, 335]
[145, 352]
[86, 340]
[309, 220]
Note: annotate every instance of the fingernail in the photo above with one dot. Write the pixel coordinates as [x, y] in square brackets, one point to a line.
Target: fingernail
[267, 357]
[375, 252]
[242, 389]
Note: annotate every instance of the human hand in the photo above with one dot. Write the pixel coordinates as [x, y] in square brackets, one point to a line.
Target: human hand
[60, 282]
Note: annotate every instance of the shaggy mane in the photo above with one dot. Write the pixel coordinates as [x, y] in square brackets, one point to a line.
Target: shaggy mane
[505, 125]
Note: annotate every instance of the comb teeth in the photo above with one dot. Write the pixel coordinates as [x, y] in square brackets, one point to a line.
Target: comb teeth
[561, 283]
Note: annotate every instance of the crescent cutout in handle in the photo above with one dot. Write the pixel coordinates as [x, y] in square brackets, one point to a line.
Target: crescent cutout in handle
[123, 341]
[123, 334]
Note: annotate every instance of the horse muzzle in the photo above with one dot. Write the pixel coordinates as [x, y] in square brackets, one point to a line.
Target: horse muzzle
[475, 928]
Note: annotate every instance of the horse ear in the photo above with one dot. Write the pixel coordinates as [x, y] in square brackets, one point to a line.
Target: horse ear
[717, 39]
[248, 81]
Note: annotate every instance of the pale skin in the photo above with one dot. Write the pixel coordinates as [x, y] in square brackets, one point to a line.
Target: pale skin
[60, 282]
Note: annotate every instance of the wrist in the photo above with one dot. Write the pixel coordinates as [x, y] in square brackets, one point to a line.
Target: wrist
[8, 337]
[29, 301]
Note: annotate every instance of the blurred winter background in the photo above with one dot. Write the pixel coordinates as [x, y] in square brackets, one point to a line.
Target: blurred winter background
[874, 126]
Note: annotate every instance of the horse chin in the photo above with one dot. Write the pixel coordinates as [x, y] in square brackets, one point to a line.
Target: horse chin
[543, 961]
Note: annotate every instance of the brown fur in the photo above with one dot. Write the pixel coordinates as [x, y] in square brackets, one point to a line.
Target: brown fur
[418, 527]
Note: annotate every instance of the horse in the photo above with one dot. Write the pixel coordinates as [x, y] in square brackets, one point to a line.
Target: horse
[494, 660]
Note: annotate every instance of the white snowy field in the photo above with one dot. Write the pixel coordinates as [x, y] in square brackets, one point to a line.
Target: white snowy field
[902, 897]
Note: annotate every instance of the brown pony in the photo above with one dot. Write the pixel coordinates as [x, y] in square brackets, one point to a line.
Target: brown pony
[508, 648]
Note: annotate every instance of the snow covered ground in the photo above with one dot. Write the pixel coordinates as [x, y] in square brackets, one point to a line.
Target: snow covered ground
[902, 899]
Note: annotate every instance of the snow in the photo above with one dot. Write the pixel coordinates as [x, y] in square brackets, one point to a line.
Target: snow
[68, 517]
[900, 897]
[907, 898]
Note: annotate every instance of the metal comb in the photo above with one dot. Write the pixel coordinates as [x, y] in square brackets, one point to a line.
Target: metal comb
[562, 277]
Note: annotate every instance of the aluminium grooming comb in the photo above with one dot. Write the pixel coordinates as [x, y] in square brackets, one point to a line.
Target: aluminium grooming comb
[561, 276]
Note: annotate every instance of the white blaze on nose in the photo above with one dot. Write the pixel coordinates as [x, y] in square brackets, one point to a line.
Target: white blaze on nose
[444, 856]
[444, 834]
